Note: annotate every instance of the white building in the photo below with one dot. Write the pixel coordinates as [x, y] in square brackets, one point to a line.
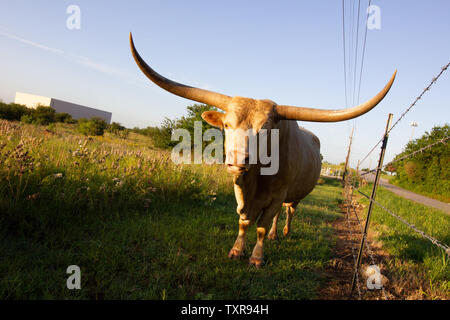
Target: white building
[75, 110]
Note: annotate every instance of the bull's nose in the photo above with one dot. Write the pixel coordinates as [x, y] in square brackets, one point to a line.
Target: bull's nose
[229, 165]
[237, 168]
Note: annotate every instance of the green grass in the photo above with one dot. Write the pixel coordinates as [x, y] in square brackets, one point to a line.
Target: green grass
[139, 226]
[419, 189]
[417, 254]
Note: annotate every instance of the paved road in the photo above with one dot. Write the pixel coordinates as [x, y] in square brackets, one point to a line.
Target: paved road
[410, 195]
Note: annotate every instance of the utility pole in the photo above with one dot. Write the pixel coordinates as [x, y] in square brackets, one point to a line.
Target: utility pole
[348, 155]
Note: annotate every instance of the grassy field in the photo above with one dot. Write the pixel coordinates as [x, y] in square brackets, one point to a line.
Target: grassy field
[139, 226]
[416, 264]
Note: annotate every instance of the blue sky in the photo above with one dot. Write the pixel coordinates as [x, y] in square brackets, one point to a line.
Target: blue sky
[287, 51]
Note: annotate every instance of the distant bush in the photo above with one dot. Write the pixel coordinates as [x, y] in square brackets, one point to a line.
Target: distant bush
[26, 118]
[13, 111]
[426, 172]
[92, 127]
[117, 129]
[161, 136]
[64, 118]
[41, 115]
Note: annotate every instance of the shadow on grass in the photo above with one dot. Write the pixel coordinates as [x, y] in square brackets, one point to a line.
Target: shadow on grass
[408, 247]
[176, 248]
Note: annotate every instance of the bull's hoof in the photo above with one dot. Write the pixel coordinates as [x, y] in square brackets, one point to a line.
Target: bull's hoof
[257, 262]
[286, 231]
[235, 254]
[272, 236]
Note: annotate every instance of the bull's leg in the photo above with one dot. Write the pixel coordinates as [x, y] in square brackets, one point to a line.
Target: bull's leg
[262, 227]
[289, 215]
[273, 231]
[238, 249]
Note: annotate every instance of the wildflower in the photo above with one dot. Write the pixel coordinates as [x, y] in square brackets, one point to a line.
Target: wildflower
[58, 175]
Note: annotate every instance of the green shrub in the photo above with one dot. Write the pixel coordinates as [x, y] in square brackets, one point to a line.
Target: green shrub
[26, 118]
[117, 129]
[64, 117]
[43, 115]
[93, 127]
[13, 111]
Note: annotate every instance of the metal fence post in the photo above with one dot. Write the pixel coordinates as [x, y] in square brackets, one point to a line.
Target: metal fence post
[372, 197]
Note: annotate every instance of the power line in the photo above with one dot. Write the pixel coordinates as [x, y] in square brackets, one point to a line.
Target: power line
[433, 80]
[364, 51]
[356, 52]
[345, 63]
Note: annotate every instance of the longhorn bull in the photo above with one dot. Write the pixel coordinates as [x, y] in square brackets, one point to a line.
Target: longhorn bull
[259, 197]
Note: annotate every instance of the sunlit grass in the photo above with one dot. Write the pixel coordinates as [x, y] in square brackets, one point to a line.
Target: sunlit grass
[420, 260]
[139, 226]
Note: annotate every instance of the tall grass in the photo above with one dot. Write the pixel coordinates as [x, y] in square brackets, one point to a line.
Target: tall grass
[139, 226]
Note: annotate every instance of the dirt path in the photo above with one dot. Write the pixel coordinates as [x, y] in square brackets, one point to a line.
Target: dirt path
[411, 195]
[401, 281]
[340, 269]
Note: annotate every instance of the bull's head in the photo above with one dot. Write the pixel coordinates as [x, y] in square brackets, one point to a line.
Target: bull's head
[245, 116]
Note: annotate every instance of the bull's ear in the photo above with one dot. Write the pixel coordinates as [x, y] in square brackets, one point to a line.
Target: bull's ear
[214, 118]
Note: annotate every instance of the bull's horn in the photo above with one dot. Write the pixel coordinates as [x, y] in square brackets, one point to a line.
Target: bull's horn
[204, 96]
[321, 115]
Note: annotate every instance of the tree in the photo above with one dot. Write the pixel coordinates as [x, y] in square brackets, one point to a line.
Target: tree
[162, 135]
[194, 114]
[427, 171]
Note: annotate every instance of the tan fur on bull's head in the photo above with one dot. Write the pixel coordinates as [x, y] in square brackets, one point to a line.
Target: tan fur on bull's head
[246, 114]
[242, 122]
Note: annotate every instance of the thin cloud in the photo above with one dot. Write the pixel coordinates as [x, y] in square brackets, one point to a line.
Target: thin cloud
[31, 43]
[73, 57]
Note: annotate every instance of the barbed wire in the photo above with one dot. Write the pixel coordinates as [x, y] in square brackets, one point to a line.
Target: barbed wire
[436, 242]
[371, 171]
[433, 81]
[368, 154]
[353, 244]
[443, 140]
[369, 251]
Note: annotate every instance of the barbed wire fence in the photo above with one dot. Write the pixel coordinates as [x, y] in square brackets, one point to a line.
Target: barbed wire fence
[350, 187]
